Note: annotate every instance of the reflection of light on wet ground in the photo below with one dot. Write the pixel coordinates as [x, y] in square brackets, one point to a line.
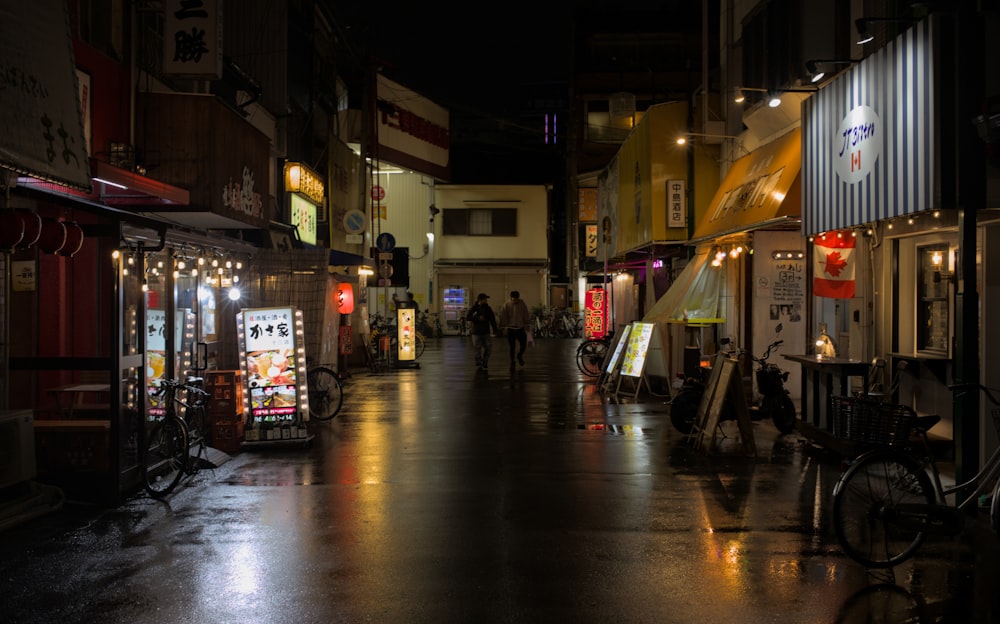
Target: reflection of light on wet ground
[245, 570]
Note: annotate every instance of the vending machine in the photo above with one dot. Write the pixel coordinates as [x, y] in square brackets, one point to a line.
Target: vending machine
[455, 303]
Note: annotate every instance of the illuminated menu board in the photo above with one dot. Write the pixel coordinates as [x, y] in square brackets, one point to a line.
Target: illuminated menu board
[156, 351]
[271, 363]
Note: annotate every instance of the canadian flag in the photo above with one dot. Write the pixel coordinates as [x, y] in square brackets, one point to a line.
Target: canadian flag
[833, 265]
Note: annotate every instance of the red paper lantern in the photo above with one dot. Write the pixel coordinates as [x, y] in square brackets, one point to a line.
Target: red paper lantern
[32, 228]
[53, 236]
[345, 298]
[74, 239]
[11, 229]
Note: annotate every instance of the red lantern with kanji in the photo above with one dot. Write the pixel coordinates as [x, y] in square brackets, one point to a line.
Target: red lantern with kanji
[345, 298]
[53, 236]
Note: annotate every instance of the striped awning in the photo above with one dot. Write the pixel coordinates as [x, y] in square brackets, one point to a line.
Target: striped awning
[869, 150]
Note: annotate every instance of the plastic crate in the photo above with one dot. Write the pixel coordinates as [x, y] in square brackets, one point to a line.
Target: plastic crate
[871, 422]
[227, 436]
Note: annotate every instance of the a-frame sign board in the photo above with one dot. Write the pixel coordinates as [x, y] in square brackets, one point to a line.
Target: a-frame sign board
[643, 352]
[724, 389]
[612, 365]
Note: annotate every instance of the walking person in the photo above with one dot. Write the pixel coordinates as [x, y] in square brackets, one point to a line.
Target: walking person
[515, 319]
[484, 324]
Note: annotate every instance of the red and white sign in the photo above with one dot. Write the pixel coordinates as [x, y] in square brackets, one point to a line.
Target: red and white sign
[833, 265]
[378, 193]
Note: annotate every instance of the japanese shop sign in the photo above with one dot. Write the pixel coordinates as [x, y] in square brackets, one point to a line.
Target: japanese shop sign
[676, 203]
[595, 314]
[41, 130]
[192, 38]
[269, 338]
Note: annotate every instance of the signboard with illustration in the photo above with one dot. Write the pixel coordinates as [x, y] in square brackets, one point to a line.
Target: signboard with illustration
[271, 364]
[635, 351]
[156, 351]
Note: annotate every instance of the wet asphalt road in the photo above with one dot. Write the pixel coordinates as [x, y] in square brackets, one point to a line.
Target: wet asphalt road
[443, 495]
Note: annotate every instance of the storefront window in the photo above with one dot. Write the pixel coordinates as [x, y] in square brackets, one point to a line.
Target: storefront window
[933, 299]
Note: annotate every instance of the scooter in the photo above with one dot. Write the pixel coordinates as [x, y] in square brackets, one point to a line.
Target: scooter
[775, 401]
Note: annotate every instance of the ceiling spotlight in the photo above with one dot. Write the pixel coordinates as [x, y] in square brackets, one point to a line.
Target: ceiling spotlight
[816, 74]
[863, 26]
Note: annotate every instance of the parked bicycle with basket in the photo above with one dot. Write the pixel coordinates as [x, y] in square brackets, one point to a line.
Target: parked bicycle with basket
[890, 498]
[175, 444]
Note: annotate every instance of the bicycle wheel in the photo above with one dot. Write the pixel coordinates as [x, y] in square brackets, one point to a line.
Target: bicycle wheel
[165, 457]
[875, 481]
[782, 412]
[326, 393]
[995, 509]
[196, 419]
[590, 356]
[419, 343]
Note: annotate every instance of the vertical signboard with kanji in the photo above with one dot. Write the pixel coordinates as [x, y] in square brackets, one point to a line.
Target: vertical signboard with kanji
[406, 323]
[192, 38]
[595, 314]
[273, 365]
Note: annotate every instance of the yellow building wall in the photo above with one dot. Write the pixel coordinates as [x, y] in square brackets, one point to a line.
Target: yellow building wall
[648, 158]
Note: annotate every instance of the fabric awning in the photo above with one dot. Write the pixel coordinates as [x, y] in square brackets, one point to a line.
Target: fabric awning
[761, 189]
[344, 258]
[693, 297]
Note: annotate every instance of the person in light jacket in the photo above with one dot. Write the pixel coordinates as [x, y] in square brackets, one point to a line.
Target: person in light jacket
[515, 320]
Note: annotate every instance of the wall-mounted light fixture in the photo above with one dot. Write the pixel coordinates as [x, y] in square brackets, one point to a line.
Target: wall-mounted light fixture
[813, 67]
[682, 139]
[741, 93]
[772, 96]
[863, 26]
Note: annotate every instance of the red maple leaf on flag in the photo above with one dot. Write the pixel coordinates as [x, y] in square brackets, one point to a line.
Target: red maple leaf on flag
[834, 264]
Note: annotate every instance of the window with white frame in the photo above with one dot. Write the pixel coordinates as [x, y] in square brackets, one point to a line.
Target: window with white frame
[479, 222]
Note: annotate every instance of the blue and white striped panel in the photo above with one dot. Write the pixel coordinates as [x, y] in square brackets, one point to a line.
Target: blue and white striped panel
[897, 83]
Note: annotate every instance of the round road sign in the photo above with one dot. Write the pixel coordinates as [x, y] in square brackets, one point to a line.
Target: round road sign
[385, 242]
[355, 222]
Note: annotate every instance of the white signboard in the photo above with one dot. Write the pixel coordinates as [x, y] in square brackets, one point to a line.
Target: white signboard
[41, 130]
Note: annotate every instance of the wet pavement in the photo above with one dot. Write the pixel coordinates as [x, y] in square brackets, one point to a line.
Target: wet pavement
[440, 494]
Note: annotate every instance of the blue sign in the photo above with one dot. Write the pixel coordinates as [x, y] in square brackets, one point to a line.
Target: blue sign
[385, 242]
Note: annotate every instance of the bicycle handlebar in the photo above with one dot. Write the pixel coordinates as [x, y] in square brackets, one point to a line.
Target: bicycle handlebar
[173, 384]
[978, 386]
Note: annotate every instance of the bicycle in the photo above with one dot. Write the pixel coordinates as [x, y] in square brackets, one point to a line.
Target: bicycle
[890, 498]
[590, 355]
[326, 392]
[176, 444]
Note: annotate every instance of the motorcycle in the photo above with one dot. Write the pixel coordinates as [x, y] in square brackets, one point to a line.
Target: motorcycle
[775, 401]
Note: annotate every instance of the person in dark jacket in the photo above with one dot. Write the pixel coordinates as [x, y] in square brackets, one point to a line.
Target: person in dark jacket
[484, 325]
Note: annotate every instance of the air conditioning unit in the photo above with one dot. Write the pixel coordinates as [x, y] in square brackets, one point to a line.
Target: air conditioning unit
[17, 447]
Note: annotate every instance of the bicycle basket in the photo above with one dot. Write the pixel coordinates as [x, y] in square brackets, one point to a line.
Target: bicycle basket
[871, 422]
